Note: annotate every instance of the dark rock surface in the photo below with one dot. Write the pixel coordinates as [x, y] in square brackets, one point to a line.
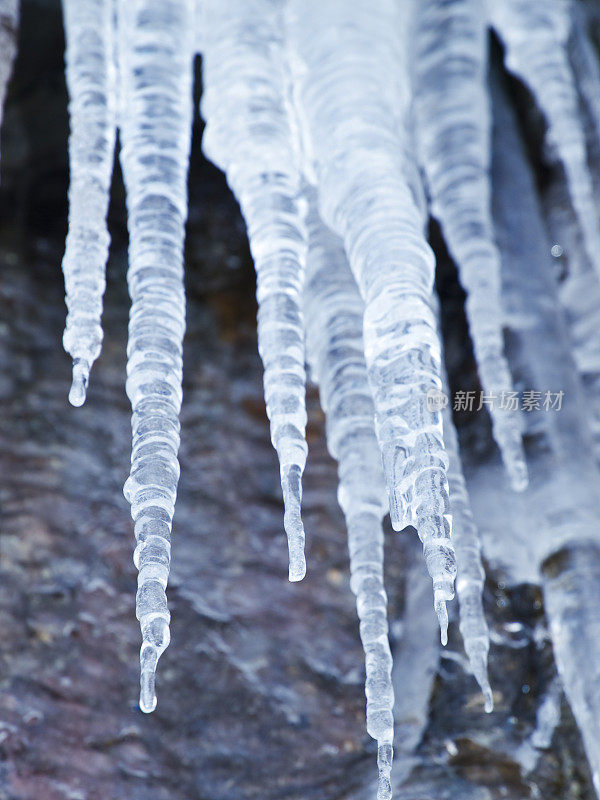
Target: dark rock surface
[260, 694]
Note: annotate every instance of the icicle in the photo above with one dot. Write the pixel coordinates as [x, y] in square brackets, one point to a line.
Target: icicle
[572, 600]
[156, 53]
[561, 502]
[334, 309]
[579, 289]
[471, 576]
[579, 294]
[9, 23]
[248, 135]
[344, 57]
[91, 80]
[546, 722]
[449, 58]
[535, 37]
[416, 659]
[560, 506]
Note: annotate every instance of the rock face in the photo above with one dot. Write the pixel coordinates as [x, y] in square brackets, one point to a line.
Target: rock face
[261, 691]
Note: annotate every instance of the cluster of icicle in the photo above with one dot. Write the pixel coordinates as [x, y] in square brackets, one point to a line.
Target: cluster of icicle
[324, 116]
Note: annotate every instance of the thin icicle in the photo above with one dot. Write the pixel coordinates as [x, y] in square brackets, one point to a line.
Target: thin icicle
[335, 352]
[91, 81]
[546, 722]
[248, 134]
[156, 57]
[452, 119]
[416, 659]
[471, 576]
[535, 37]
[344, 57]
[9, 24]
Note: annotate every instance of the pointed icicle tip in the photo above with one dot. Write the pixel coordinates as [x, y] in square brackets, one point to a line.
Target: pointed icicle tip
[398, 511]
[148, 662]
[292, 521]
[519, 477]
[295, 536]
[81, 374]
[147, 694]
[297, 569]
[479, 670]
[442, 614]
[384, 762]
[488, 699]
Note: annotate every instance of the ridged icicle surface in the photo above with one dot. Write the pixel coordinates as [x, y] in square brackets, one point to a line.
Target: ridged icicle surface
[344, 60]
[449, 58]
[572, 599]
[535, 37]
[349, 96]
[563, 506]
[91, 81]
[471, 576]
[249, 135]
[335, 352]
[156, 59]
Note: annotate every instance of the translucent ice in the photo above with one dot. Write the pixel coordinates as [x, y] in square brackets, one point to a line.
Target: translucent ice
[452, 130]
[92, 82]
[249, 135]
[470, 577]
[549, 535]
[343, 57]
[321, 92]
[535, 37]
[156, 48]
[335, 352]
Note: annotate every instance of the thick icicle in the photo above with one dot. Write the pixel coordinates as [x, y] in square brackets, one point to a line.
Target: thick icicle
[535, 37]
[579, 289]
[452, 119]
[156, 55]
[335, 353]
[561, 504]
[570, 577]
[471, 576]
[92, 84]
[572, 599]
[9, 23]
[344, 57]
[248, 134]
